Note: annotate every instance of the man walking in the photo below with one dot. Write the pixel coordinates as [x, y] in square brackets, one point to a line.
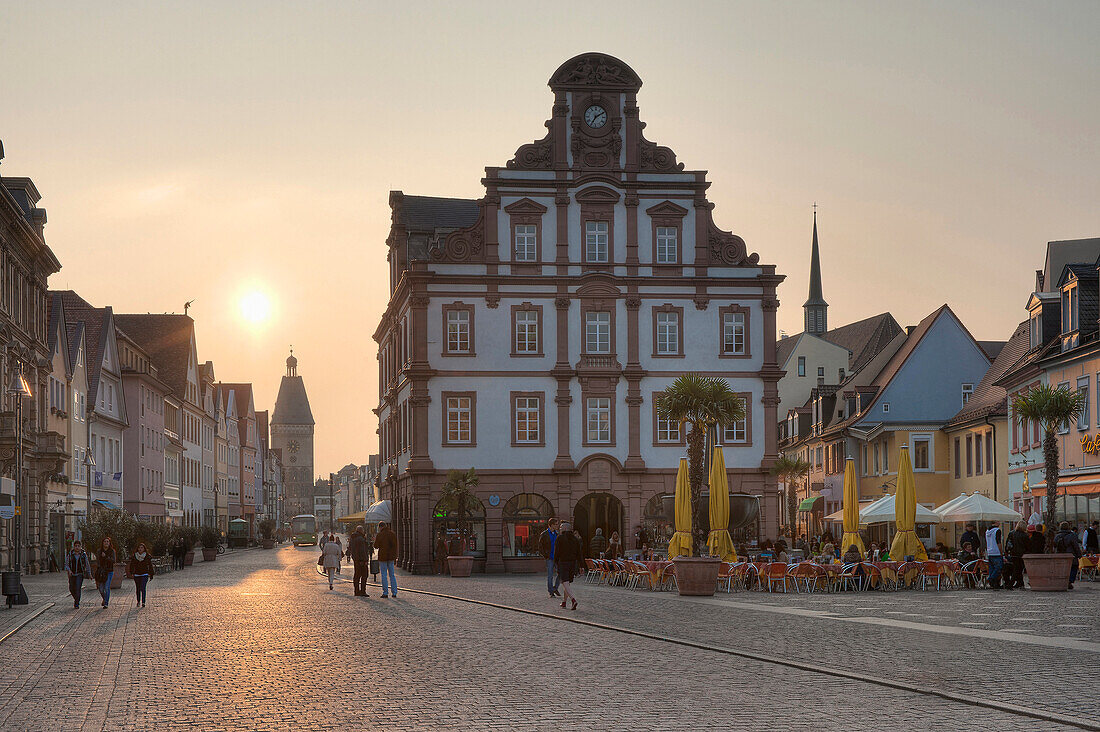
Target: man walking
[359, 551]
[1067, 542]
[1092, 538]
[386, 544]
[547, 540]
[78, 567]
[598, 544]
[1015, 548]
[993, 555]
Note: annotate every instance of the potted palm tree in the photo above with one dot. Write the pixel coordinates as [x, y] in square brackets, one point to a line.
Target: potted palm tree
[791, 471]
[267, 533]
[190, 536]
[458, 501]
[698, 403]
[1053, 408]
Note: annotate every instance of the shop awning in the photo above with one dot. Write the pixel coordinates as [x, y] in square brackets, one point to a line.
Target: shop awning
[816, 503]
[105, 503]
[355, 518]
[1076, 485]
[380, 511]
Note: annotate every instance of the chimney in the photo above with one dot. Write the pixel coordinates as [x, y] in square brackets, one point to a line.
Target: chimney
[1039, 277]
[909, 329]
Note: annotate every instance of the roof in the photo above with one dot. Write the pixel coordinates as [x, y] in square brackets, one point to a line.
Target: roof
[1069, 251]
[243, 394]
[864, 338]
[57, 338]
[292, 404]
[815, 296]
[992, 348]
[81, 315]
[988, 399]
[167, 339]
[914, 338]
[432, 212]
[785, 347]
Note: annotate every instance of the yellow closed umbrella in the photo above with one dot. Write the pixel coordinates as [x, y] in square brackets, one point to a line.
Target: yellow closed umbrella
[905, 542]
[851, 510]
[680, 546]
[718, 541]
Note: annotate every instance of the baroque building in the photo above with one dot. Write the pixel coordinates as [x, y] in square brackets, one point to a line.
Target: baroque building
[530, 334]
[292, 435]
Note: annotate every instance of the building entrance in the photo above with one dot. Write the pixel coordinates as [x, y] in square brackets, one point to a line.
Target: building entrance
[597, 511]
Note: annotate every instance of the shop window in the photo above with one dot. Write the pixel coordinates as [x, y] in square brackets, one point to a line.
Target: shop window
[524, 517]
[473, 537]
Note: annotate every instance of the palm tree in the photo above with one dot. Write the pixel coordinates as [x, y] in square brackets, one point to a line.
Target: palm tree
[700, 402]
[1053, 408]
[458, 500]
[791, 471]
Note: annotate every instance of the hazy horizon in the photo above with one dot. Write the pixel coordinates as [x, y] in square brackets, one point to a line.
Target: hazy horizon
[252, 146]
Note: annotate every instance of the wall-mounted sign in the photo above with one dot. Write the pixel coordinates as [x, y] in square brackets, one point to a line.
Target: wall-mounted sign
[494, 500]
[1090, 445]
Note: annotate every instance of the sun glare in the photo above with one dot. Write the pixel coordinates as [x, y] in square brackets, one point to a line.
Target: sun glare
[255, 307]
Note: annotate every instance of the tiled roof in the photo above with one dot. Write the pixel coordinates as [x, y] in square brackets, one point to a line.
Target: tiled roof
[292, 404]
[988, 399]
[427, 213]
[919, 331]
[992, 348]
[167, 340]
[81, 315]
[784, 348]
[864, 338]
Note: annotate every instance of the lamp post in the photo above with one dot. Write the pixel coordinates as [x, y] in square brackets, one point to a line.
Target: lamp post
[331, 508]
[13, 585]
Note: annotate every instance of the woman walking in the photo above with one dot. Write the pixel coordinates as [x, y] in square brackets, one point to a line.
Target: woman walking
[141, 569]
[105, 568]
[78, 567]
[331, 554]
[567, 556]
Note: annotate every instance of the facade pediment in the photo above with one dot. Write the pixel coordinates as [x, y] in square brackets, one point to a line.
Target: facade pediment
[525, 206]
[597, 284]
[595, 71]
[596, 195]
[668, 209]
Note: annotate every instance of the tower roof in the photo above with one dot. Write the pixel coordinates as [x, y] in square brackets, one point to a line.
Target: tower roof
[292, 404]
[816, 297]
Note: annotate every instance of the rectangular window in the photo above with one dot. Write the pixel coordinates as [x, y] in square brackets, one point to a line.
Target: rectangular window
[733, 337]
[967, 392]
[922, 453]
[666, 245]
[599, 419]
[526, 243]
[668, 334]
[989, 451]
[878, 461]
[1065, 425]
[527, 332]
[801, 365]
[885, 458]
[736, 432]
[528, 419]
[668, 430]
[458, 331]
[597, 332]
[595, 241]
[459, 420]
[1083, 390]
[866, 459]
[958, 457]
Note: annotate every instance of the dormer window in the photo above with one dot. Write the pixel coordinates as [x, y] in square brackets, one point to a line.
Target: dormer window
[1036, 329]
[1069, 309]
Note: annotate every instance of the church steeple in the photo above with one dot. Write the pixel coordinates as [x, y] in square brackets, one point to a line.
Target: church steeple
[815, 308]
[291, 364]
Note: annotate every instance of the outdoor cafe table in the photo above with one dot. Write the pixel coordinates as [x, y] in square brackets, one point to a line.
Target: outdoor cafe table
[656, 569]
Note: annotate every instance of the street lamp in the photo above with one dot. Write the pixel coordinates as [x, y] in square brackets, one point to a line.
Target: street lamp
[13, 585]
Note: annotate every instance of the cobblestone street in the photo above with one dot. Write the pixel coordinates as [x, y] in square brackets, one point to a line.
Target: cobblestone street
[256, 642]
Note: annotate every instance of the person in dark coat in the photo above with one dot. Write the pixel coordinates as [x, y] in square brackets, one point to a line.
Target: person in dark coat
[598, 544]
[1092, 538]
[567, 558]
[971, 535]
[78, 567]
[1016, 546]
[547, 543]
[1036, 540]
[359, 550]
[441, 553]
[141, 570]
[105, 569]
[1066, 541]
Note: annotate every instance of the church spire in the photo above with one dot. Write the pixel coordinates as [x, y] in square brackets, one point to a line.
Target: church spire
[815, 308]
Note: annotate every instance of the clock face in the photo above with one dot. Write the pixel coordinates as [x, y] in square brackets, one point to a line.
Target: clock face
[293, 446]
[595, 117]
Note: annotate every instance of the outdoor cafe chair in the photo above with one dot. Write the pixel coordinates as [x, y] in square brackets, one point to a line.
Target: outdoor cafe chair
[668, 577]
[1087, 567]
[727, 572]
[805, 577]
[592, 569]
[872, 577]
[776, 572]
[848, 577]
[640, 575]
[931, 571]
[974, 573]
[904, 569]
[743, 573]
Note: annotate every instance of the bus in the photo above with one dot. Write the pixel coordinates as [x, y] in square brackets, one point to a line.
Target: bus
[303, 527]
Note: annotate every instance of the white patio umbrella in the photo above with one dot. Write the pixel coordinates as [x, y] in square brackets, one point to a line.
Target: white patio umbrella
[978, 508]
[882, 511]
[954, 501]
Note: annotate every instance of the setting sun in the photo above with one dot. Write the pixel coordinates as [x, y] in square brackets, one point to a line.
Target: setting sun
[255, 307]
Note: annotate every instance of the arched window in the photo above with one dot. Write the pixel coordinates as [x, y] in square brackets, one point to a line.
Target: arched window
[447, 522]
[657, 523]
[525, 517]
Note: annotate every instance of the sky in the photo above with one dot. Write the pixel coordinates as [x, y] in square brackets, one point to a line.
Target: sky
[209, 151]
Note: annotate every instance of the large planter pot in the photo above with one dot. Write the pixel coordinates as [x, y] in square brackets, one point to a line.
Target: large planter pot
[268, 544]
[117, 577]
[697, 576]
[460, 566]
[189, 558]
[1048, 572]
[209, 555]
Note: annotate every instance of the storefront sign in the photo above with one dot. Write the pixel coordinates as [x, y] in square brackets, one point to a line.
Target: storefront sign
[1090, 445]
